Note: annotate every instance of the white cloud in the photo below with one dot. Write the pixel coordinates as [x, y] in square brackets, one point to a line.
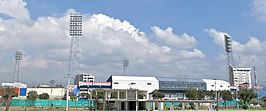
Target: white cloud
[169, 38]
[253, 45]
[14, 8]
[105, 43]
[195, 53]
[259, 9]
[218, 37]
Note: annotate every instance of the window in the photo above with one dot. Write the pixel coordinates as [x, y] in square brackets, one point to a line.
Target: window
[148, 83]
[132, 83]
[212, 85]
[116, 82]
[221, 86]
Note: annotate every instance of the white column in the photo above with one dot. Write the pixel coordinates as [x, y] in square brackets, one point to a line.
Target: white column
[171, 106]
[160, 106]
[137, 105]
[148, 105]
[197, 106]
[137, 99]
[126, 105]
[183, 106]
[153, 105]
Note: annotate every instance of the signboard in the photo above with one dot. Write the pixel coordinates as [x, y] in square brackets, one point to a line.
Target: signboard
[232, 88]
[95, 84]
[23, 92]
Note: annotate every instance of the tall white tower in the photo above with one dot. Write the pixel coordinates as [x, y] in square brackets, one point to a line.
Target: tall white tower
[230, 60]
[18, 58]
[75, 31]
[125, 66]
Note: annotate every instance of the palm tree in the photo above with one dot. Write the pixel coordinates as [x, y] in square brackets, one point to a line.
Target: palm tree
[227, 96]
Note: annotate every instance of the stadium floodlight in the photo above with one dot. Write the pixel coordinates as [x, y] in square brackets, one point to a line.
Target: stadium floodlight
[125, 65]
[75, 31]
[227, 40]
[18, 57]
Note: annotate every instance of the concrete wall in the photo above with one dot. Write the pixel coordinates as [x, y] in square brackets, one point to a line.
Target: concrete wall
[54, 93]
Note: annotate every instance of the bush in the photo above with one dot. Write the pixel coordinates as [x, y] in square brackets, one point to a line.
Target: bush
[245, 106]
[44, 96]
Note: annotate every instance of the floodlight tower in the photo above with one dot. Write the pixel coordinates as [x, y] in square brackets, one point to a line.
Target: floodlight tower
[18, 57]
[125, 66]
[230, 60]
[75, 32]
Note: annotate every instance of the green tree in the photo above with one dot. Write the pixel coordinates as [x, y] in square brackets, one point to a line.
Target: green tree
[245, 95]
[191, 94]
[100, 93]
[200, 95]
[8, 93]
[158, 95]
[72, 96]
[264, 100]
[98, 97]
[32, 96]
[44, 96]
[194, 94]
[227, 96]
[210, 94]
[84, 95]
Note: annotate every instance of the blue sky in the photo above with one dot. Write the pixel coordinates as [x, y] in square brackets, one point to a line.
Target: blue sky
[183, 16]
[160, 37]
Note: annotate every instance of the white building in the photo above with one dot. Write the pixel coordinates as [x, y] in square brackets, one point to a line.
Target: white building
[53, 92]
[134, 82]
[83, 78]
[239, 76]
[216, 85]
[14, 84]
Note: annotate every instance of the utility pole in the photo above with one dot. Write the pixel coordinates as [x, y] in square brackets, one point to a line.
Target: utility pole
[217, 95]
[67, 93]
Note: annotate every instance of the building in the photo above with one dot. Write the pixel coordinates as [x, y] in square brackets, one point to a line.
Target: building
[21, 88]
[53, 92]
[83, 78]
[239, 76]
[124, 99]
[216, 85]
[85, 87]
[174, 87]
[14, 84]
[134, 82]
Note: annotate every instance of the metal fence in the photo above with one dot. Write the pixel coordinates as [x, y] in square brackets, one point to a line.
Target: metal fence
[51, 103]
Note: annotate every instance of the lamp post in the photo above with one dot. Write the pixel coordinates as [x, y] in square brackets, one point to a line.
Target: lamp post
[217, 95]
